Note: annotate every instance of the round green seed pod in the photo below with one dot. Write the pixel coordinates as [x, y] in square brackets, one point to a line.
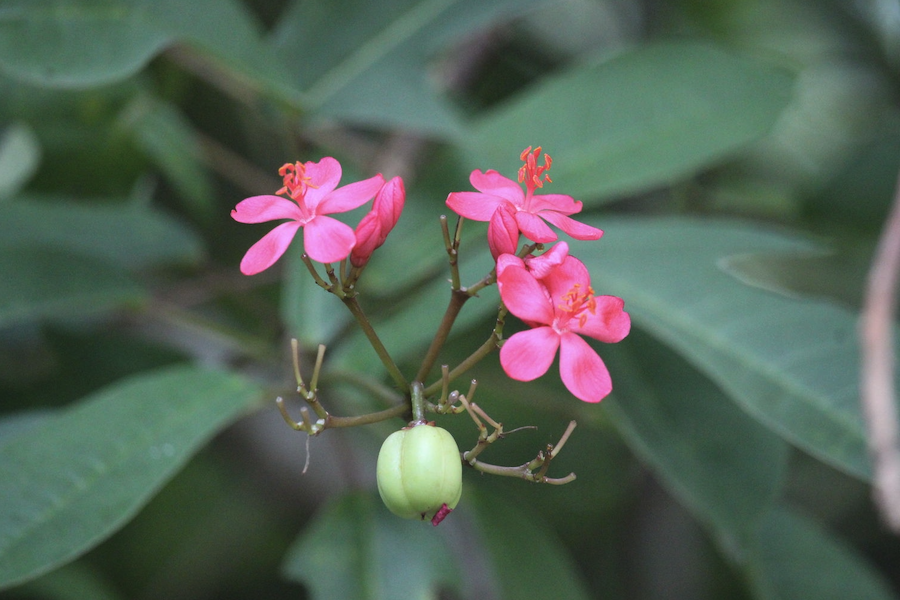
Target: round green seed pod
[419, 471]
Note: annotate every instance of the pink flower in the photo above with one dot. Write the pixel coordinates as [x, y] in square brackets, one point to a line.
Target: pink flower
[558, 303]
[374, 228]
[530, 209]
[311, 189]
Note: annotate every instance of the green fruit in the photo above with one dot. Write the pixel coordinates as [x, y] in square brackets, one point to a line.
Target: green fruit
[419, 471]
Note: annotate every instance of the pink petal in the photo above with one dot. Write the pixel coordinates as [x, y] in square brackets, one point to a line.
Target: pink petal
[474, 205]
[266, 251]
[324, 177]
[350, 196]
[556, 202]
[560, 280]
[503, 232]
[534, 228]
[574, 228]
[493, 183]
[259, 209]
[368, 238]
[609, 323]
[524, 296]
[389, 204]
[541, 266]
[528, 354]
[582, 371]
[328, 240]
[505, 261]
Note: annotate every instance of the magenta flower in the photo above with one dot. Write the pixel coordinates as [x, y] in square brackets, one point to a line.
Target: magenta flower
[311, 192]
[558, 303]
[374, 228]
[530, 209]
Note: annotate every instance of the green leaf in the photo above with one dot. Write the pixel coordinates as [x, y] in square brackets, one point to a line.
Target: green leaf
[637, 120]
[168, 139]
[357, 550]
[74, 480]
[20, 153]
[39, 283]
[723, 465]
[130, 236]
[796, 558]
[527, 559]
[791, 364]
[371, 63]
[43, 41]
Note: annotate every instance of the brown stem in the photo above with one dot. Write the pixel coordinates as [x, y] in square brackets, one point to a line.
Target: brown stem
[877, 386]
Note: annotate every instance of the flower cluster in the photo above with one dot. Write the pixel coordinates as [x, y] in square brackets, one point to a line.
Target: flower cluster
[552, 292]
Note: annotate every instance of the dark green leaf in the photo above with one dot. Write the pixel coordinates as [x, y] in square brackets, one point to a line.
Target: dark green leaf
[129, 236]
[637, 120]
[796, 558]
[723, 465]
[72, 481]
[791, 364]
[357, 550]
[40, 283]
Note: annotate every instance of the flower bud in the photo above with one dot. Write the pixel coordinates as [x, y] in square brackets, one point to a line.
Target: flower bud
[419, 473]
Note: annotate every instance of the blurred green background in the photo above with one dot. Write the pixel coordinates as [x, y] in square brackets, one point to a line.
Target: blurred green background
[740, 155]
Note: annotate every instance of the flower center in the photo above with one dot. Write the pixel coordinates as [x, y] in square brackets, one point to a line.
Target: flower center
[532, 174]
[296, 181]
[576, 303]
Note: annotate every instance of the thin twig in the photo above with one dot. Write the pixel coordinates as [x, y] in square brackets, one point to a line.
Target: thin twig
[877, 386]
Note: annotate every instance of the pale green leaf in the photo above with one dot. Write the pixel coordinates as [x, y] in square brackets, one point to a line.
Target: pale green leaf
[20, 153]
[371, 63]
[639, 119]
[792, 364]
[70, 482]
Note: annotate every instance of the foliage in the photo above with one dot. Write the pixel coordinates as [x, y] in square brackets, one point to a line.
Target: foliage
[739, 157]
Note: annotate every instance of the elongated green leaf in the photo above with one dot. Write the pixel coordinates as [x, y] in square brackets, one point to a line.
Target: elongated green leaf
[129, 236]
[46, 41]
[371, 63]
[792, 364]
[637, 120]
[357, 550]
[723, 465]
[72, 481]
[796, 558]
[40, 283]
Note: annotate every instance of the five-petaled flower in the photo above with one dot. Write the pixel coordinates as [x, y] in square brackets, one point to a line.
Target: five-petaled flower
[310, 188]
[553, 295]
[530, 209]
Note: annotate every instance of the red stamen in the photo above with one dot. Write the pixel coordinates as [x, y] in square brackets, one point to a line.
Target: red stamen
[531, 173]
[579, 303]
[295, 179]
